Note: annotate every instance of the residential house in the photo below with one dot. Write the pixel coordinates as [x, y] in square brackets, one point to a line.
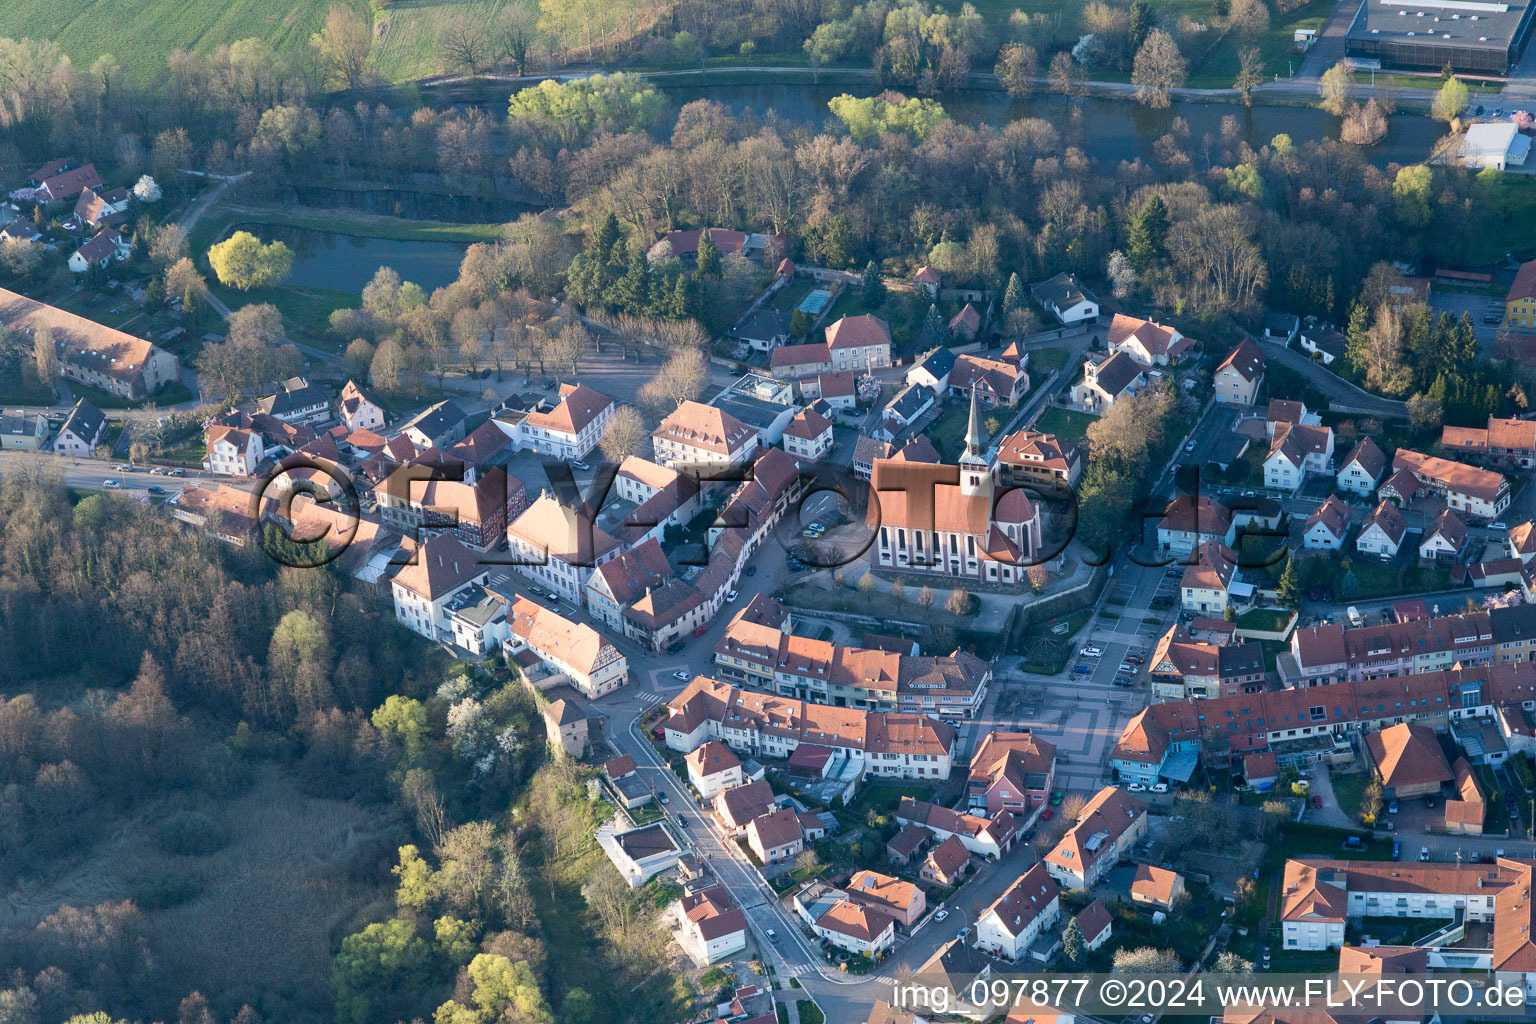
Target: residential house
[857, 929]
[988, 839]
[1065, 298]
[1095, 924]
[559, 547]
[1362, 468]
[1465, 813]
[712, 768]
[67, 184]
[437, 426]
[1281, 327]
[231, 451]
[902, 901]
[566, 726]
[1326, 528]
[299, 402]
[100, 207]
[1022, 914]
[1011, 771]
[619, 582]
[765, 329]
[1477, 492]
[1028, 458]
[1183, 667]
[860, 342]
[1521, 541]
[903, 409]
[1334, 653]
[571, 428]
[702, 440]
[485, 448]
[22, 432]
[640, 854]
[358, 410]
[735, 807]
[1147, 342]
[1106, 381]
[991, 381]
[933, 370]
[927, 279]
[775, 837]
[1111, 823]
[1445, 541]
[1408, 760]
[1505, 443]
[81, 431]
[1295, 451]
[801, 360]
[907, 843]
[1156, 887]
[476, 512]
[224, 513]
[946, 863]
[887, 744]
[593, 665]
[1291, 413]
[1382, 532]
[809, 434]
[1261, 771]
[928, 521]
[1209, 584]
[711, 927]
[836, 389]
[100, 250]
[436, 571]
[966, 324]
[1238, 377]
[477, 619]
[869, 449]
[1189, 522]
[1520, 300]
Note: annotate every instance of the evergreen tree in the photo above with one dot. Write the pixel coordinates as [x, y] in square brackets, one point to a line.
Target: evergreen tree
[873, 289]
[1147, 230]
[1013, 296]
[601, 244]
[934, 333]
[631, 292]
[1072, 943]
[1356, 340]
[709, 256]
[1138, 24]
[1290, 586]
[799, 324]
[685, 297]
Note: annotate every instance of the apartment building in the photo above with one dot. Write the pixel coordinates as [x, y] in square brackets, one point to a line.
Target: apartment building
[1480, 493]
[1111, 823]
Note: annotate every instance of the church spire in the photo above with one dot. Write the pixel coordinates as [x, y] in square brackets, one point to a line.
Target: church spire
[973, 435]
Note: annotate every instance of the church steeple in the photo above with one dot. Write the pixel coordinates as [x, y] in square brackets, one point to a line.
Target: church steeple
[975, 474]
[973, 435]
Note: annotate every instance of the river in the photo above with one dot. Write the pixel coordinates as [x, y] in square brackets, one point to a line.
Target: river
[325, 259]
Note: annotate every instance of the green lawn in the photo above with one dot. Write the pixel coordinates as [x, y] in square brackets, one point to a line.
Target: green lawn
[306, 311]
[1047, 359]
[1064, 423]
[343, 222]
[1268, 619]
[1389, 580]
[1348, 791]
[1218, 69]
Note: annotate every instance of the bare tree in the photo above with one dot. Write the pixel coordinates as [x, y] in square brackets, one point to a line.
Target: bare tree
[1250, 72]
[464, 48]
[624, 435]
[1336, 88]
[1249, 18]
[569, 346]
[1216, 250]
[45, 355]
[1384, 366]
[1158, 68]
[681, 379]
[1364, 124]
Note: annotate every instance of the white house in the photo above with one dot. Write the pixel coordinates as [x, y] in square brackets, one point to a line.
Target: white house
[1147, 342]
[1326, 528]
[1362, 468]
[809, 434]
[559, 547]
[1105, 381]
[1028, 908]
[81, 431]
[570, 429]
[102, 249]
[713, 768]
[1382, 532]
[593, 665]
[1208, 586]
[357, 409]
[1445, 540]
[1294, 452]
[1065, 298]
[437, 571]
[857, 929]
[710, 925]
[702, 439]
[231, 450]
[477, 618]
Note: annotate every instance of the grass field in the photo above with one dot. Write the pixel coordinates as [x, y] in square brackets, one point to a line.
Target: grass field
[1064, 423]
[405, 32]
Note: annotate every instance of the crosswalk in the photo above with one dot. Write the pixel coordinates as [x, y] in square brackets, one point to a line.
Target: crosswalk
[647, 698]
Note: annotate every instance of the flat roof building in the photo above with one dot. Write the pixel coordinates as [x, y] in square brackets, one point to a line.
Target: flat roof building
[1473, 36]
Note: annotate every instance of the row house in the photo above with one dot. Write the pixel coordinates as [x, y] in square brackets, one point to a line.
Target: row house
[1506, 443]
[1110, 824]
[297, 401]
[1317, 717]
[559, 547]
[1477, 492]
[889, 744]
[1182, 666]
[619, 582]
[594, 666]
[1336, 652]
[797, 361]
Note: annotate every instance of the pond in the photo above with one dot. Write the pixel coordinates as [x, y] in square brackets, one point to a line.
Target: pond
[327, 259]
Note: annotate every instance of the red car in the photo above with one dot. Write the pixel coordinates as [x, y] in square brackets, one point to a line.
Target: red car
[1047, 814]
[1317, 802]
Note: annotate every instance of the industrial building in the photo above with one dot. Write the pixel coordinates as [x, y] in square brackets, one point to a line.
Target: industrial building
[1476, 37]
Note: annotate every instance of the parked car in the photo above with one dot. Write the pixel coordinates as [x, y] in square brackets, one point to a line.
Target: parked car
[661, 796]
[578, 464]
[1047, 814]
[1135, 787]
[940, 915]
[730, 596]
[681, 674]
[1092, 652]
[751, 570]
[1057, 797]
[178, 471]
[1392, 807]
[1424, 854]
[773, 936]
[1124, 682]
[1317, 802]
[682, 821]
[1126, 666]
[1135, 659]
[1161, 787]
[675, 647]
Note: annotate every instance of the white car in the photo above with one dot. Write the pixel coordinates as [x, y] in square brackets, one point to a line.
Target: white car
[1092, 652]
[1135, 787]
[1161, 787]
[730, 596]
[680, 674]
[1424, 853]
[111, 483]
[940, 915]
